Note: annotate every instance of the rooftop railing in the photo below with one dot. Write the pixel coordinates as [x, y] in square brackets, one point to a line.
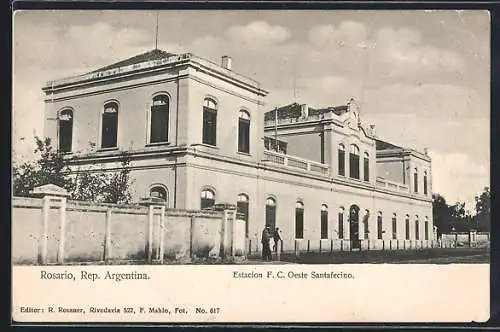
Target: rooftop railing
[391, 185]
[296, 162]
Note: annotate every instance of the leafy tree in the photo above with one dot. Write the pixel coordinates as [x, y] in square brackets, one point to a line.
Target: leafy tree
[482, 218]
[118, 183]
[49, 168]
[85, 185]
[440, 214]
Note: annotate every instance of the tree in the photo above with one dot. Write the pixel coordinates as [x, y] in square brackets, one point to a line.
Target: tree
[49, 168]
[86, 185]
[440, 214]
[482, 218]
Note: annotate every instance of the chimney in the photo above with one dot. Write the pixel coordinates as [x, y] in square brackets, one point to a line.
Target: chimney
[304, 110]
[227, 62]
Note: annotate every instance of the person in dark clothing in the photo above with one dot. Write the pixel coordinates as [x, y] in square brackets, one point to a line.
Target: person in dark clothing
[266, 238]
[276, 238]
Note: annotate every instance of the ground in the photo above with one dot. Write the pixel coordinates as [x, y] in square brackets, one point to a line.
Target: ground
[422, 256]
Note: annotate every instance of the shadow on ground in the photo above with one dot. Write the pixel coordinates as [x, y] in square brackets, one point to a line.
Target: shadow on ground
[420, 256]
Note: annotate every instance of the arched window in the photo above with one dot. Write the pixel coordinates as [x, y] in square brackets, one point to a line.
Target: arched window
[366, 224]
[299, 220]
[271, 212]
[417, 229]
[341, 151]
[379, 225]
[159, 192]
[324, 221]
[407, 227]
[354, 162]
[415, 180]
[65, 130]
[159, 119]
[394, 227]
[242, 207]
[366, 167]
[425, 182]
[207, 198]
[341, 222]
[209, 122]
[426, 228]
[244, 132]
[109, 125]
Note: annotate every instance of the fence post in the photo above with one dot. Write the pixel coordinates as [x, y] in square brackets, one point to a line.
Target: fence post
[50, 192]
[162, 229]
[107, 236]
[45, 237]
[152, 203]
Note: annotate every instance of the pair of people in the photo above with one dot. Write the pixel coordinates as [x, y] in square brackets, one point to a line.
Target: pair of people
[266, 239]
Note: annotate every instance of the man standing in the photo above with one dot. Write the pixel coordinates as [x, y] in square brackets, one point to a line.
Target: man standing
[266, 250]
[276, 238]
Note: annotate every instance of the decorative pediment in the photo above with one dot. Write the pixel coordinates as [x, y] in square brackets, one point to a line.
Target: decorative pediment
[353, 114]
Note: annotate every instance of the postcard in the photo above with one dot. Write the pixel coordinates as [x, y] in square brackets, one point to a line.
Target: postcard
[250, 166]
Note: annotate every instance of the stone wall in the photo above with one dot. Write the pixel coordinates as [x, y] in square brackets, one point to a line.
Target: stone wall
[84, 232]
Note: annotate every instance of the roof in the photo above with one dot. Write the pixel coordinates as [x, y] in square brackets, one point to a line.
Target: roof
[152, 55]
[294, 111]
[383, 145]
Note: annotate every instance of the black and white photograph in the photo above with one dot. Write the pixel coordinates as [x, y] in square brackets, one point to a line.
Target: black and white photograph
[277, 146]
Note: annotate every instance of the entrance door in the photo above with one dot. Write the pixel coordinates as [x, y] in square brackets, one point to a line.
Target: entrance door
[354, 227]
[271, 213]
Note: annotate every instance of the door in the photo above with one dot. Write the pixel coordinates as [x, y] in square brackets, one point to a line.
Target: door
[354, 227]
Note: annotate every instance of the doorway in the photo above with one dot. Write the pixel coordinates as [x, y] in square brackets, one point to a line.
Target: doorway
[354, 227]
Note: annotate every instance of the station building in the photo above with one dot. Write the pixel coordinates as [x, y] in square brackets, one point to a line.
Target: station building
[198, 133]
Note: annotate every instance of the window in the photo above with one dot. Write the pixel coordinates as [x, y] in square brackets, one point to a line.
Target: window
[407, 227]
[159, 119]
[366, 167]
[341, 160]
[65, 130]
[415, 180]
[271, 212]
[354, 162]
[341, 223]
[379, 226]
[242, 207]
[417, 229]
[425, 183]
[207, 198]
[426, 228]
[394, 227]
[109, 125]
[365, 223]
[244, 132]
[209, 122]
[159, 192]
[299, 220]
[324, 221]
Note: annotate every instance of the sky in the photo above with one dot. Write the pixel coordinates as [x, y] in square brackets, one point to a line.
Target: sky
[421, 77]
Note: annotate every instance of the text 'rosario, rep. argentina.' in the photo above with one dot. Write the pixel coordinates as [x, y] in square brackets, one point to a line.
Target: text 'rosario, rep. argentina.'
[92, 276]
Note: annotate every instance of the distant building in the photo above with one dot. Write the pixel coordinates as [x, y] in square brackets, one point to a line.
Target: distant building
[198, 133]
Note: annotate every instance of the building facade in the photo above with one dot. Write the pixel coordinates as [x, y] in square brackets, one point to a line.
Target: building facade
[198, 133]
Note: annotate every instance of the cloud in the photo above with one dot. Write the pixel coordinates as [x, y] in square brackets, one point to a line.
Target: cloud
[257, 34]
[458, 177]
[388, 54]
[348, 34]
[403, 53]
